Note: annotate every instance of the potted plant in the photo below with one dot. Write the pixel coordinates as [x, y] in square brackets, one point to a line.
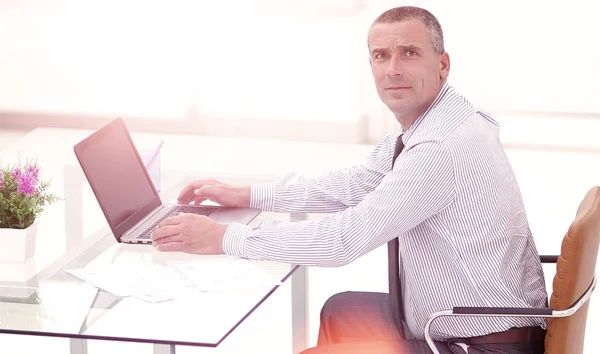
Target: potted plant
[23, 197]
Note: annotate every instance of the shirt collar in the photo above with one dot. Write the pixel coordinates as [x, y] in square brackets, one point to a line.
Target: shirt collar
[440, 96]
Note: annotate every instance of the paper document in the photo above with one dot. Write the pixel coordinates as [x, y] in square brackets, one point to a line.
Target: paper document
[222, 274]
[145, 280]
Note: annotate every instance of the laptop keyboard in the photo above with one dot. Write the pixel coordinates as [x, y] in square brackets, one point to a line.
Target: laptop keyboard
[175, 211]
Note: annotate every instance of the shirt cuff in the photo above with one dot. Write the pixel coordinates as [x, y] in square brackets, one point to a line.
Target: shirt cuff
[262, 196]
[234, 239]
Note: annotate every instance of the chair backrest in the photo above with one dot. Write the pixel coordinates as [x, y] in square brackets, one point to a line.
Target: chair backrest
[574, 274]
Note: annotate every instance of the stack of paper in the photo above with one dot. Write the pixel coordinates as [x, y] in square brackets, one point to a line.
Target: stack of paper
[223, 274]
[145, 280]
[155, 283]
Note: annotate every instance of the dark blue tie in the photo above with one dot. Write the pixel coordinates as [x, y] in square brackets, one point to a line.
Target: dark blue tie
[394, 265]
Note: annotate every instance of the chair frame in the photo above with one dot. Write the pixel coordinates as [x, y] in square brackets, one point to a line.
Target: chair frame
[509, 311]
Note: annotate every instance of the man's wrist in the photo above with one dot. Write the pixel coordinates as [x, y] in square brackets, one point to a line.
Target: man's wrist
[262, 196]
[244, 192]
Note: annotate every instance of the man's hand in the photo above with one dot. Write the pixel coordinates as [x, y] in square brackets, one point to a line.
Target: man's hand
[189, 233]
[209, 189]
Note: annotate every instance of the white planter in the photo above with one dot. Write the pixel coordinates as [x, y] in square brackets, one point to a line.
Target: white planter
[17, 245]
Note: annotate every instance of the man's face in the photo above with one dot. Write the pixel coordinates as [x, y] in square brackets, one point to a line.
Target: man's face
[408, 72]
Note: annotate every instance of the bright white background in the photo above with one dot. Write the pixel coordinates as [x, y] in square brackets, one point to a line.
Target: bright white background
[532, 63]
[286, 60]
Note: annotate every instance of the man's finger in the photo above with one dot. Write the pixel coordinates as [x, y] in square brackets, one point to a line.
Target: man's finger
[165, 231]
[198, 201]
[208, 191]
[201, 182]
[171, 247]
[172, 220]
[187, 193]
[167, 239]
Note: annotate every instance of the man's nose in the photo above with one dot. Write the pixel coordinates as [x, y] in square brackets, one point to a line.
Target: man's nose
[395, 68]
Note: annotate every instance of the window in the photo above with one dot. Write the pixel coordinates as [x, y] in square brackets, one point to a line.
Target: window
[272, 68]
[241, 60]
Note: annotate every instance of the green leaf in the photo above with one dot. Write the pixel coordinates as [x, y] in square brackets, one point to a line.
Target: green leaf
[17, 210]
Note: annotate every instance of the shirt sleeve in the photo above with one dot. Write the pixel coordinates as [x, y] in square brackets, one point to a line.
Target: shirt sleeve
[330, 192]
[421, 185]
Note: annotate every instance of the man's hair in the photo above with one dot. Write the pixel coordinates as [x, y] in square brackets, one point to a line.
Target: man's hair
[403, 13]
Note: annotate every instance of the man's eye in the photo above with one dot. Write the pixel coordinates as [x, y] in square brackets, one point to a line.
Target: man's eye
[411, 53]
[379, 56]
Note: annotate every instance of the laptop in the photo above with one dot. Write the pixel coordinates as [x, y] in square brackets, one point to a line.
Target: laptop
[123, 188]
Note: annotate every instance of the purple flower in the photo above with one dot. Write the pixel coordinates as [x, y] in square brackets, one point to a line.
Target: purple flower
[1, 179]
[26, 181]
[16, 174]
[34, 172]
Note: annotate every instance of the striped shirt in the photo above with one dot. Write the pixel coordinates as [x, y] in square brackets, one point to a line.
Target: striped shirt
[452, 200]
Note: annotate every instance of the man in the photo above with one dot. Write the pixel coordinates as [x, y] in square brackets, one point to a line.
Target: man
[441, 184]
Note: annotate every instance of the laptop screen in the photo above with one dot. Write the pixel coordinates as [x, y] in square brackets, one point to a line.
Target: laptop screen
[117, 177]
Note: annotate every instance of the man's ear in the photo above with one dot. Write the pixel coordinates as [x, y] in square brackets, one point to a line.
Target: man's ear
[444, 66]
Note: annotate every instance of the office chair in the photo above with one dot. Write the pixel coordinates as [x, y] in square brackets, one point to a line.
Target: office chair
[573, 285]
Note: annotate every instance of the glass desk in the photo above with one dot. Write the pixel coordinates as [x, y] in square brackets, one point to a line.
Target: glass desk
[39, 297]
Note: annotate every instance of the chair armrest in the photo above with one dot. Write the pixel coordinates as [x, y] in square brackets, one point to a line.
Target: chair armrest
[507, 311]
[548, 259]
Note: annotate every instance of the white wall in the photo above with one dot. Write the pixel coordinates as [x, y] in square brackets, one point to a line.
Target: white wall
[302, 60]
[524, 55]
[228, 58]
